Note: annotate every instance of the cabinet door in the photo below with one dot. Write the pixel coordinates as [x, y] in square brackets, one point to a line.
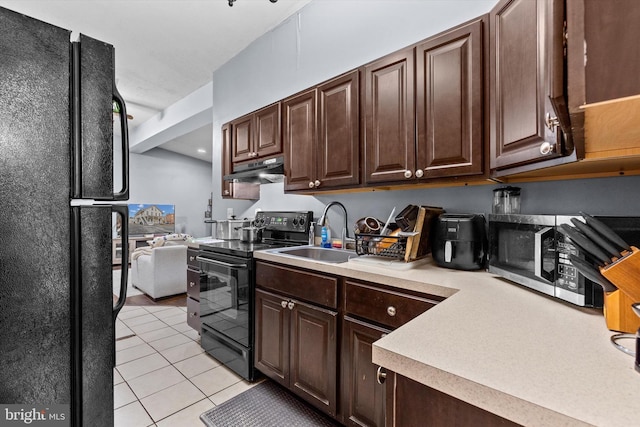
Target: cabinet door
[389, 140]
[338, 150]
[242, 138]
[193, 314]
[449, 103]
[526, 73]
[272, 336]
[267, 141]
[313, 363]
[299, 128]
[410, 403]
[227, 186]
[363, 399]
[193, 283]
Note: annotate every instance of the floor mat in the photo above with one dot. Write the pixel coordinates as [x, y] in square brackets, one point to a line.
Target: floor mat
[265, 405]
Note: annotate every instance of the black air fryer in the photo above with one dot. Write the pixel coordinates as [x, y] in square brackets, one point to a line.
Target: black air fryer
[460, 241]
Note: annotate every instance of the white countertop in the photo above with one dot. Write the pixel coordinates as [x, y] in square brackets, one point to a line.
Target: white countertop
[522, 355]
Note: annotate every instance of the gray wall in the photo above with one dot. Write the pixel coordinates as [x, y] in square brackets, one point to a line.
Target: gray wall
[329, 37]
[164, 177]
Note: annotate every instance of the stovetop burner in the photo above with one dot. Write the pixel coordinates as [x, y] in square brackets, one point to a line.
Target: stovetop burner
[280, 229]
[239, 248]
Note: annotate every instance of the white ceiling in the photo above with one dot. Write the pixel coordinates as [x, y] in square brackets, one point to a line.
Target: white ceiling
[165, 49]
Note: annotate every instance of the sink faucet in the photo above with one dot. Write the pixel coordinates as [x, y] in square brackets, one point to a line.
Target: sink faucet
[323, 220]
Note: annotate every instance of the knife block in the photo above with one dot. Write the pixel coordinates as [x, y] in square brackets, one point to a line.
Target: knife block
[618, 313]
[625, 274]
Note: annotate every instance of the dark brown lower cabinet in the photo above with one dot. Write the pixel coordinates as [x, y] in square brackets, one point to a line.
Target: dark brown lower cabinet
[193, 290]
[411, 404]
[296, 345]
[363, 398]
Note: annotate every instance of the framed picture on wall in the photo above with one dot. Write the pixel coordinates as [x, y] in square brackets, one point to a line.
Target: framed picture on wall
[146, 218]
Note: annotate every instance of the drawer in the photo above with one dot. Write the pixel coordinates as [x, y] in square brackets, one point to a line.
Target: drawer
[191, 258]
[193, 283]
[382, 306]
[305, 285]
[193, 314]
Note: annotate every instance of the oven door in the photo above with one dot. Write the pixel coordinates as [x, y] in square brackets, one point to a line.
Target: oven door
[523, 249]
[226, 289]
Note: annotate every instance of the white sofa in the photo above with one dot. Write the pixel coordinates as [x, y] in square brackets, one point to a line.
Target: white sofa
[160, 271]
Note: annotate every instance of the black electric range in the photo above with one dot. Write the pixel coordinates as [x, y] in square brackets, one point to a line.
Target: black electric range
[280, 229]
[227, 287]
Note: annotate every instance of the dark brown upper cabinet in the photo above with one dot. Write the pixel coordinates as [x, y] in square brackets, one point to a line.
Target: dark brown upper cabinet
[439, 133]
[389, 140]
[256, 135]
[603, 57]
[528, 104]
[450, 102]
[321, 136]
[299, 138]
[233, 189]
[227, 186]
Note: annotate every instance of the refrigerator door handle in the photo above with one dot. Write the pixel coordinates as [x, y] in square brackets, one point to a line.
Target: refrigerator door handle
[123, 211]
[123, 194]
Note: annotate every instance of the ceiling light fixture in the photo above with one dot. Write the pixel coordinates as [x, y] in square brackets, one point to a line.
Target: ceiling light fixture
[231, 2]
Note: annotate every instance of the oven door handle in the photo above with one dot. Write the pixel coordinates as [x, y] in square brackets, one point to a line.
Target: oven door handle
[220, 263]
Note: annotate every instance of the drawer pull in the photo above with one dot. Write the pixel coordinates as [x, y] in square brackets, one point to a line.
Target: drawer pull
[283, 304]
[391, 311]
[192, 258]
[194, 314]
[291, 305]
[191, 284]
[381, 375]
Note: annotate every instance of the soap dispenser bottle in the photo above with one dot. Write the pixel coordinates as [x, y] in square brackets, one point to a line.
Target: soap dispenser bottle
[326, 237]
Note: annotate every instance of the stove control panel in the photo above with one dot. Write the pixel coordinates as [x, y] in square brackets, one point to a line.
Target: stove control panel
[294, 221]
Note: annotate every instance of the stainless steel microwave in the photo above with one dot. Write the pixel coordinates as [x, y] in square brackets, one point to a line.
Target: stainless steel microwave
[531, 251]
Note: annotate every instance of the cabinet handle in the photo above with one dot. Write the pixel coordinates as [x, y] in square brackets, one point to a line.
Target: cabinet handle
[283, 304]
[290, 305]
[419, 173]
[226, 192]
[194, 314]
[546, 148]
[408, 174]
[391, 311]
[311, 184]
[381, 375]
[191, 284]
[317, 183]
[192, 258]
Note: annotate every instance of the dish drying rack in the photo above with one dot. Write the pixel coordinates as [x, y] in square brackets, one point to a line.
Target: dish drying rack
[386, 246]
[403, 245]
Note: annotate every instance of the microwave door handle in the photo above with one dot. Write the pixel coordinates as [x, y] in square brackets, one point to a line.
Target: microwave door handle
[539, 255]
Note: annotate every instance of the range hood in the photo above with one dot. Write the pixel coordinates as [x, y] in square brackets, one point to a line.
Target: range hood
[262, 171]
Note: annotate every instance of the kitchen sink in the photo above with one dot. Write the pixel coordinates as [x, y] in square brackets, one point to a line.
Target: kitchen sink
[333, 256]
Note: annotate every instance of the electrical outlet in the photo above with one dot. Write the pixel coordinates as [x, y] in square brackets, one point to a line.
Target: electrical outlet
[229, 213]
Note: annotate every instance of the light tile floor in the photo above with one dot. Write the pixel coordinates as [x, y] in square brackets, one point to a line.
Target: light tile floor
[162, 376]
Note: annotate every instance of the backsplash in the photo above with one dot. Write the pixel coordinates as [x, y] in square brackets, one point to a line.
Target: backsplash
[598, 196]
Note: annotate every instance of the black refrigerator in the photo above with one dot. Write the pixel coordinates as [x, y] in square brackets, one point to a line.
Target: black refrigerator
[58, 208]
